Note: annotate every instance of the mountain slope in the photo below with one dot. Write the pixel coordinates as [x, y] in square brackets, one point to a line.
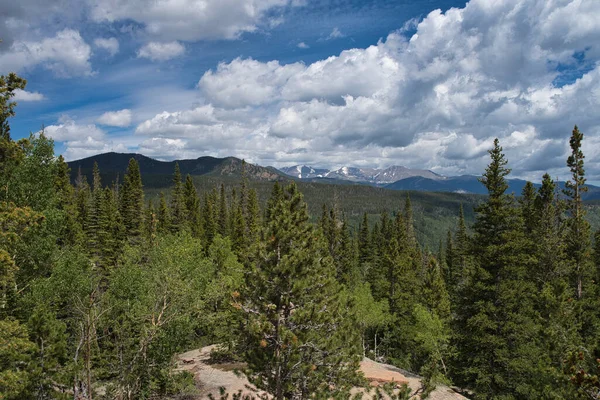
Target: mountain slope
[471, 184]
[372, 176]
[157, 173]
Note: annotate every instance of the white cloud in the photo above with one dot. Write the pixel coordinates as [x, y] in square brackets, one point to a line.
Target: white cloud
[191, 20]
[303, 45]
[23, 95]
[434, 100]
[68, 130]
[156, 51]
[247, 82]
[111, 45]
[335, 34]
[88, 147]
[120, 118]
[65, 54]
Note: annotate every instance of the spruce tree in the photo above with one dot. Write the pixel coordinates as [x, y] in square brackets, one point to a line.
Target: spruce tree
[223, 217]
[150, 222]
[177, 202]
[71, 229]
[164, 218]
[298, 336]
[527, 205]
[192, 207]
[364, 246]
[497, 331]
[578, 247]
[253, 220]
[95, 216]
[132, 201]
[210, 226]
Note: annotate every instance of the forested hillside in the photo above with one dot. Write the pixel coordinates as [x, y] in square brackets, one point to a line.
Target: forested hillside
[100, 288]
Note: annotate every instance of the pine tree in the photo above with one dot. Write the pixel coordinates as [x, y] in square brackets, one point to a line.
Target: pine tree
[276, 197]
[434, 294]
[210, 221]
[253, 220]
[164, 218]
[94, 217]
[82, 200]
[554, 293]
[223, 218]
[410, 224]
[192, 207]
[299, 338]
[497, 332]
[177, 202]
[71, 230]
[527, 204]
[462, 261]
[150, 222]
[364, 245]
[132, 201]
[579, 229]
[450, 256]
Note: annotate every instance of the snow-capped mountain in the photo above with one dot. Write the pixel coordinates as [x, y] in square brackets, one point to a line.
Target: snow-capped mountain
[373, 176]
[304, 171]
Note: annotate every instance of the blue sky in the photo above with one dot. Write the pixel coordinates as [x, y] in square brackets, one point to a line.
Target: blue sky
[426, 84]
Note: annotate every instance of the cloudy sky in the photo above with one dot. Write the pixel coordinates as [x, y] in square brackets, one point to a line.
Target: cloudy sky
[420, 83]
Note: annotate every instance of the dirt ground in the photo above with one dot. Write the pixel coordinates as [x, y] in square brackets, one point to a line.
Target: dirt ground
[210, 377]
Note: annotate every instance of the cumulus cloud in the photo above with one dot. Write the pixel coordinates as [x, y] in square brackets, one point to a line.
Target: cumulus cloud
[83, 140]
[67, 130]
[191, 20]
[120, 118]
[435, 99]
[157, 51]
[66, 55]
[110, 45]
[302, 45]
[23, 95]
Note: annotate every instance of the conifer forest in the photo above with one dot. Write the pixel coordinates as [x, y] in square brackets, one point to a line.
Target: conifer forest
[101, 288]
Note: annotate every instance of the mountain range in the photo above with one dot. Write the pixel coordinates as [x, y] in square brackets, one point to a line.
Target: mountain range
[374, 176]
[158, 174]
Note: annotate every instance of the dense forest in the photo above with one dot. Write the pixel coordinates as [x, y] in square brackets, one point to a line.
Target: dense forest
[100, 288]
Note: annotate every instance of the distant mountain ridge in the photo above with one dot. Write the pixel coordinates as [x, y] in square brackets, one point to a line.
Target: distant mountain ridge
[471, 184]
[373, 176]
[157, 173]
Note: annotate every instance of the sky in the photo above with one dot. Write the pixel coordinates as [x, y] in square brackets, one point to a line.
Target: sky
[374, 83]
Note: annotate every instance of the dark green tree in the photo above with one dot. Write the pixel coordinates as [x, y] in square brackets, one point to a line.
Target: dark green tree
[132, 201]
[298, 336]
[178, 213]
[578, 247]
[192, 207]
[164, 217]
[497, 332]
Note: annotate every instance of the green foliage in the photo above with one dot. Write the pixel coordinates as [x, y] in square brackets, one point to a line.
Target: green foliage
[297, 336]
[132, 201]
[16, 353]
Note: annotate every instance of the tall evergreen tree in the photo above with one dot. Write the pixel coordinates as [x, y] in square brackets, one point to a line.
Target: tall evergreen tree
[299, 339]
[223, 217]
[364, 245]
[94, 217]
[192, 207]
[132, 201]
[497, 330]
[210, 227]
[164, 218]
[178, 214]
[253, 220]
[579, 229]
